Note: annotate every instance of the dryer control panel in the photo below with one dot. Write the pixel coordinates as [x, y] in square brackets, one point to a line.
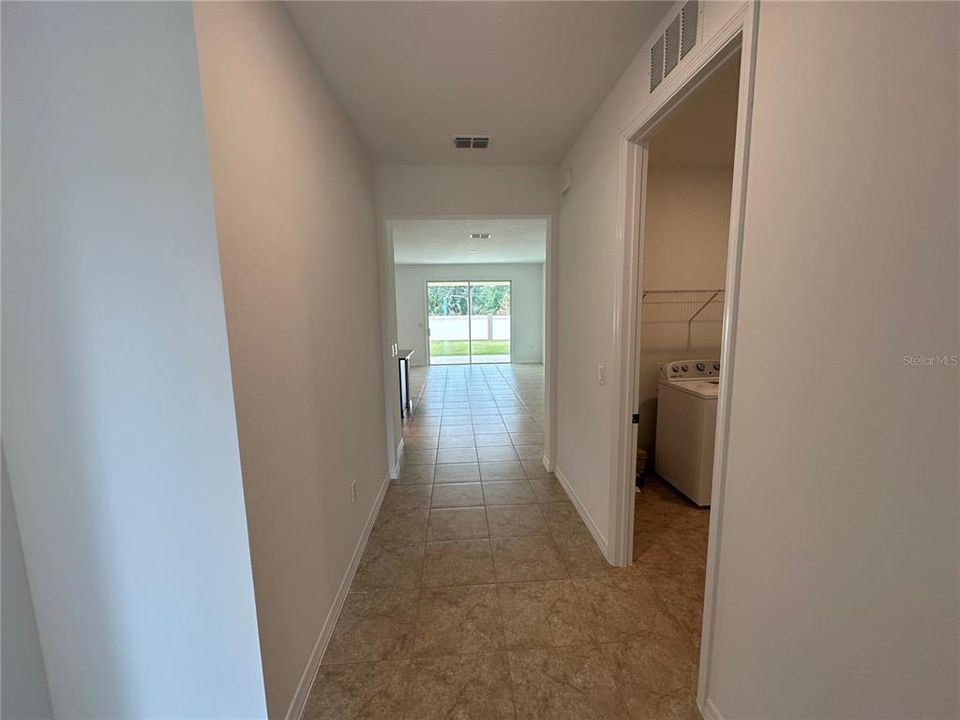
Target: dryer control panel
[690, 369]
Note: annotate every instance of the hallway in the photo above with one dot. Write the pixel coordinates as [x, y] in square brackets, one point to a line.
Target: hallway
[481, 593]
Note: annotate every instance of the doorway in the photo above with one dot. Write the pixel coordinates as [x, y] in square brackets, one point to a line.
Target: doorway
[468, 322]
[712, 319]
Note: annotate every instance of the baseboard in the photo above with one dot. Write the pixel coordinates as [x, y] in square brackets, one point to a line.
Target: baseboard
[547, 465]
[395, 470]
[313, 665]
[709, 711]
[585, 515]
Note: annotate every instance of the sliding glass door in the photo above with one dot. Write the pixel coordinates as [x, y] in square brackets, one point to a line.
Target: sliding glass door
[468, 322]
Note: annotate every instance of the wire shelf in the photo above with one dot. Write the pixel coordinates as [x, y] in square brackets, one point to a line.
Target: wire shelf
[682, 306]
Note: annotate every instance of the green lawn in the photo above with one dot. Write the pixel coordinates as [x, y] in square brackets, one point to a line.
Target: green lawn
[452, 348]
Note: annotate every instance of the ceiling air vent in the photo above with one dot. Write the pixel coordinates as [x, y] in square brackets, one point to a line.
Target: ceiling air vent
[471, 142]
[480, 236]
[678, 39]
[671, 51]
[689, 19]
[656, 64]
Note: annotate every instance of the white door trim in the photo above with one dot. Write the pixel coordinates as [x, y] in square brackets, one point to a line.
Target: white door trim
[740, 32]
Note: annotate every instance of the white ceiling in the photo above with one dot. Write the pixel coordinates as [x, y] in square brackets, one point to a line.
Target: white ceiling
[412, 74]
[430, 242]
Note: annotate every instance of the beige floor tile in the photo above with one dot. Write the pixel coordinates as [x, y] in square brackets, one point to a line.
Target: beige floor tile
[527, 438]
[523, 559]
[406, 497]
[415, 475]
[421, 443]
[626, 606]
[545, 614]
[548, 489]
[523, 426]
[657, 677]
[497, 453]
[682, 595]
[458, 562]
[447, 456]
[421, 431]
[457, 495]
[515, 520]
[373, 691]
[581, 556]
[509, 492]
[374, 625]
[418, 457]
[458, 620]
[386, 564]
[530, 452]
[457, 441]
[458, 473]
[406, 526]
[486, 415]
[457, 524]
[534, 468]
[489, 428]
[570, 683]
[460, 687]
[509, 470]
[493, 440]
[562, 518]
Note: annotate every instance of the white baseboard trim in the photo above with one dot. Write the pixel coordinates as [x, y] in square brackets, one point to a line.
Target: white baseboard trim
[395, 470]
[709, 711]
[547, 465]
[585, 515]
[319, 648]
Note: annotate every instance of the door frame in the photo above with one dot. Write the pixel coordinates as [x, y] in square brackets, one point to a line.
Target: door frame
[469, 284]
[738, 33]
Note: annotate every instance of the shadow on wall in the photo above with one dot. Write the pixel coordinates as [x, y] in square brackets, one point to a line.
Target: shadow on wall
[24, 690]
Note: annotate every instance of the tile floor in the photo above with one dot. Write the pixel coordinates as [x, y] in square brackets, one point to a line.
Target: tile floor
[481, 594]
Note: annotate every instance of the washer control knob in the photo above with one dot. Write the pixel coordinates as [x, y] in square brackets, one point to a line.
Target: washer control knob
[684, 367]
[675, 368]
[716, 366]
[701, 367]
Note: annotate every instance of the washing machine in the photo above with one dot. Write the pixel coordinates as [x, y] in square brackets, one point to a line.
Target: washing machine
[687, 425]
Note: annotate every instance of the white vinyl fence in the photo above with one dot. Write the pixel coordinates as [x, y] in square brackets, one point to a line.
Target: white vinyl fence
[482, 327]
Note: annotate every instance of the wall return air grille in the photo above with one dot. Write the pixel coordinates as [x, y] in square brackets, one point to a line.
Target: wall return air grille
[471, 142]
[677, 40]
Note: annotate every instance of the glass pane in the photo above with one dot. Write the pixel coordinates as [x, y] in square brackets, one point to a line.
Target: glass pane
[490, 322]
[448, 323]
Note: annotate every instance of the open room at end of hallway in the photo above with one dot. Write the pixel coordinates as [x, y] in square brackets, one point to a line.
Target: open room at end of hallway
[470, 290]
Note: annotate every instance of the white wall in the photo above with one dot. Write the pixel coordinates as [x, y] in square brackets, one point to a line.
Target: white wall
[466, 191]
[118, 419]
[688, 218]
[526, 304]
[295, 219]
[838, 591]
[25, 693]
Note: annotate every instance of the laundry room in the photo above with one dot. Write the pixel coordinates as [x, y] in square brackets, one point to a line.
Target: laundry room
[686, 223]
